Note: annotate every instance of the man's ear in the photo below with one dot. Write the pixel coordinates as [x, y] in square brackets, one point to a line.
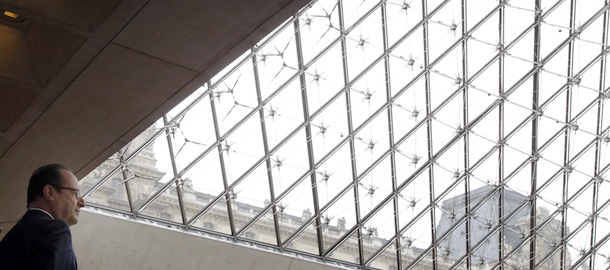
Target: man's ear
[48, 192]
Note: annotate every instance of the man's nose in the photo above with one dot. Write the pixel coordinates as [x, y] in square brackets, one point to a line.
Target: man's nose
[81, 202]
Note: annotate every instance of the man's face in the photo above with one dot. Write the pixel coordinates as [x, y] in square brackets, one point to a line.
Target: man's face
[68, 203]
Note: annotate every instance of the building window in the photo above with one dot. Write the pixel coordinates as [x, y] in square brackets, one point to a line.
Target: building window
[165, 215]
[208, 225]
[117, 191]
[250, 235]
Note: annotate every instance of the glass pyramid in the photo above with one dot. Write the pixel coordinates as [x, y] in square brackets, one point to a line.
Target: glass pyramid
[432, 134]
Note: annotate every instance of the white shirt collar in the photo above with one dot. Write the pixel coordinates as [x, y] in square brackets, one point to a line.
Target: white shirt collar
[41, 210]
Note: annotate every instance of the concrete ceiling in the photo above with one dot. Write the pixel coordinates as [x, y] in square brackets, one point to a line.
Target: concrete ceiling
[80, 78]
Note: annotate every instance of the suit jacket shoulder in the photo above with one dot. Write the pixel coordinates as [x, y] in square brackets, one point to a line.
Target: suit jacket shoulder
[38, 242]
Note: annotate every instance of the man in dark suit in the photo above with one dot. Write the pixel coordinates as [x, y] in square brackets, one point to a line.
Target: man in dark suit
[42, 238]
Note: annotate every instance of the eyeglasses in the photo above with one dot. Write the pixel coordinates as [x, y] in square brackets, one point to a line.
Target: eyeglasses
[76, 191]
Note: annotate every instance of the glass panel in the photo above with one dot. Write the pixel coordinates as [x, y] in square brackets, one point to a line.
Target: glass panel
[347, 250]
[378, 230]
[283, 114]
[276, 61]
[371, 142]
[289, 163]
[319, 26]
[206, 175]
[407, 64]
[364, 44]
[329, 130]
[354, 10]
[164, 206]
[142, 140]
[216, 218]
[234, 99]
[387, 258]
[409, 110]
[412, 153]
[258, 231]
[111, 193]
[485, 253]
[242, 150]
[251, 195]
[375, 187]
[324, 80]
[425, 261]
[333, 176]
[444, 28]
[368, 94]
[302, 242]
[295, 209]
[149, 170]
[191, 132]
[402, 17]
[344, 212]
[106, 170]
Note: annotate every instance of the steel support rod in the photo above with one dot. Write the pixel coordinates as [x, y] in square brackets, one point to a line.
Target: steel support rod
[263, 122]
[309, 140]
[501, 138]
[429, 116]
[601, 100]
[534, 137]
[393, 166]
[177, 180]
[350, 128]
[465, 120]
[223, 168]
[567, 134]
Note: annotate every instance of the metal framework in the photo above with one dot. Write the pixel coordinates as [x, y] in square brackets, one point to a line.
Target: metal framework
[432, 134]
